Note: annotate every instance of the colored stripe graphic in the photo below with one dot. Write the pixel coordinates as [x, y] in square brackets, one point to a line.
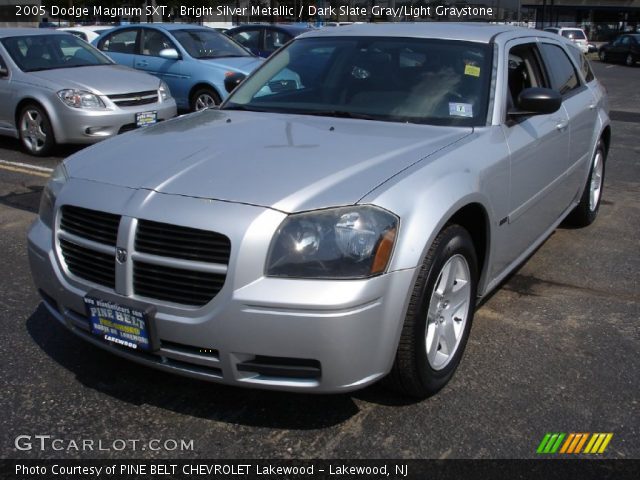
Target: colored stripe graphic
[550, 443]
[573, 444]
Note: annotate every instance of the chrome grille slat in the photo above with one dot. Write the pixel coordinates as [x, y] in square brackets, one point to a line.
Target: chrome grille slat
[134, 98]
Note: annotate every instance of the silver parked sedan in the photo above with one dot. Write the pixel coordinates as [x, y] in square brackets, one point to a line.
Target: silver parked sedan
[335, 230]
[55, 88]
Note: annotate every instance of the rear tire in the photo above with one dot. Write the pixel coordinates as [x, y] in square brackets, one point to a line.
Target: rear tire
[439, 317]
[586, 211]
[34, 129]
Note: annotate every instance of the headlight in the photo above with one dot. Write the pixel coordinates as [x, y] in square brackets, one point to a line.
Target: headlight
[347, 242]
[163, 91]
[80, 99]
[48, 199]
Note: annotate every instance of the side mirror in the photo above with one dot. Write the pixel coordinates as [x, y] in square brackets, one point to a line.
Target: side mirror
[232, 80]
[169, 53]
[537, 101]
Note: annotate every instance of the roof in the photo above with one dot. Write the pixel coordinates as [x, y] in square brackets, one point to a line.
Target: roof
[473, 32]
[87, 28]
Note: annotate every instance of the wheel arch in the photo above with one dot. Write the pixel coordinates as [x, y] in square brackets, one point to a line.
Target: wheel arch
[202, 85]
[473, 217]
[48, 109]
[606, 138]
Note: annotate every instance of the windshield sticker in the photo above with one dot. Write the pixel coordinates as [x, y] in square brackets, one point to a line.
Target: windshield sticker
[461, 109]
[472, 70]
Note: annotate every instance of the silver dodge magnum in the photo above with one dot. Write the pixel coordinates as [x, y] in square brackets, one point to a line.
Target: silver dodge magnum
[322, 234]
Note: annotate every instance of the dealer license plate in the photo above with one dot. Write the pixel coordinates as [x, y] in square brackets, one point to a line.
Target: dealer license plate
[119, 324]
[144, 119]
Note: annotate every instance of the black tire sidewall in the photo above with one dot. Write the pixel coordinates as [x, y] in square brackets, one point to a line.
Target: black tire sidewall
[200, 91]
[456, 241]
[50, 141]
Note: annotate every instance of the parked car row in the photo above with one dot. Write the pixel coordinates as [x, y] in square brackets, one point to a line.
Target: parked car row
[625, 48]
[55, 88]
[335, 221]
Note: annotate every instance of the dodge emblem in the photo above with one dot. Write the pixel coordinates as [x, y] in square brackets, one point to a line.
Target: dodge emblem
[121, 255]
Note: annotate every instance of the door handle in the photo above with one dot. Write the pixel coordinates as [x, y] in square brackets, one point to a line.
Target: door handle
[592, 106]
[141, 64]
[562, 124]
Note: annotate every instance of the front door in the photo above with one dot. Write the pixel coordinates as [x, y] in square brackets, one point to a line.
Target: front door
[539, 148]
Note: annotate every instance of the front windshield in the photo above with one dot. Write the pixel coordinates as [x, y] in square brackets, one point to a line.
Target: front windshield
[204, 44]
[392, 79]
[47, 52]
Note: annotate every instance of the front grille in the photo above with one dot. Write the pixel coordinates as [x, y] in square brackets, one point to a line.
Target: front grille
[90, 224]
[135, 98]
[182, 242]
[89, 264]
[175, 285]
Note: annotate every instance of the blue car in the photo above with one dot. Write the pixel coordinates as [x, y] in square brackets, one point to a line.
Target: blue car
[191, 59]
[264, 39]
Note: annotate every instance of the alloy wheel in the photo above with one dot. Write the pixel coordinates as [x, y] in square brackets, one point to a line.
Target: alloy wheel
[31, 126]
[448, 312]
[595, 187]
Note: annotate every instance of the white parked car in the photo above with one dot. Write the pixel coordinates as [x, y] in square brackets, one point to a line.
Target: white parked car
[576, 35]
[88, 33]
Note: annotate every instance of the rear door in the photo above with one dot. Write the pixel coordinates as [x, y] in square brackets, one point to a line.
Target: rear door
[570, 75]
[539, 147]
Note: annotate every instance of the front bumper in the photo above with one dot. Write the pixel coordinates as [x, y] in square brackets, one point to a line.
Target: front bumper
[89, 126]
[349, 330]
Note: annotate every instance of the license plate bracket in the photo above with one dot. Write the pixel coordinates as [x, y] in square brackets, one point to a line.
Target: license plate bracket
[144, 119]
[124, 322]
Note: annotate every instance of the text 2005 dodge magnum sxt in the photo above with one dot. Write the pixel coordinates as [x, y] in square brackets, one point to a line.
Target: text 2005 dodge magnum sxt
[322, 232]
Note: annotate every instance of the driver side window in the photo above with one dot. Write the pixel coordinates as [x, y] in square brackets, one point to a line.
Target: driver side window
[154, 42]
[524, 71]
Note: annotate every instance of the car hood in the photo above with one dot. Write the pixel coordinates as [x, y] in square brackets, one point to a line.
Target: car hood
[244, 65]
[281, 161]
[100, 79]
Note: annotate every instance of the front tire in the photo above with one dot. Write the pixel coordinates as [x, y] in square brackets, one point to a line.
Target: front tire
[603, 56]
[204, 98]
[629, 60]
[36, 134]
[586, 211]
[439, 317]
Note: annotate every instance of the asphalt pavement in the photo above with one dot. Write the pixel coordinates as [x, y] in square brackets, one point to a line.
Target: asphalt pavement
[555, 349]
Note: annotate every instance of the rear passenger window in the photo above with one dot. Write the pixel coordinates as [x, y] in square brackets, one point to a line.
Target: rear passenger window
[564, 77]
[585, 67]
[123, 41]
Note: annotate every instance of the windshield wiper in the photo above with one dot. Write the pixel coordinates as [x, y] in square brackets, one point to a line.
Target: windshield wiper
[245, 108]
[339, 114]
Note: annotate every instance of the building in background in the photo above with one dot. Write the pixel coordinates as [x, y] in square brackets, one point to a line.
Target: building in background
[601, 19]
[8, 11]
